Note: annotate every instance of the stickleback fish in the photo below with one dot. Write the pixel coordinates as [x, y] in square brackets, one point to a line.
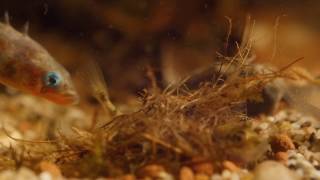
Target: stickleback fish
[27, 66]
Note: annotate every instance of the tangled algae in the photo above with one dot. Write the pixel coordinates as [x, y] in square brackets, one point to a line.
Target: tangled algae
[174, 128]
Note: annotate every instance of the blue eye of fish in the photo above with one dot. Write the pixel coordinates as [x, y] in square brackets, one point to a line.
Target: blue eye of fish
[52, 79]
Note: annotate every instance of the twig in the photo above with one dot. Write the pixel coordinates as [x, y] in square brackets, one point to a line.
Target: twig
[162, 143]
[28, 141]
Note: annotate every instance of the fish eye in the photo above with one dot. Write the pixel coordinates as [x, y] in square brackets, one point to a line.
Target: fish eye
[52, 79]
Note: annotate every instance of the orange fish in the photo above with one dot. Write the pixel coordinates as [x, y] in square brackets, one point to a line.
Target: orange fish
[27, 66]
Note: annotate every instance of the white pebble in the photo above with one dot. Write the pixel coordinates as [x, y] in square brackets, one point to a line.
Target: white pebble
[45, 176]
[273, 170]
[263, 126]
[271, 119]
[216, 177]
[234, 176]
[226, 174]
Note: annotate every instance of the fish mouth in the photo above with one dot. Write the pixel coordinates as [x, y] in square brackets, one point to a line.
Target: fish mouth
[67, 98]
[71, 98]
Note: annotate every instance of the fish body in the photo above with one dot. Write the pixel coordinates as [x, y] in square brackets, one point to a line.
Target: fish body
[28, 67]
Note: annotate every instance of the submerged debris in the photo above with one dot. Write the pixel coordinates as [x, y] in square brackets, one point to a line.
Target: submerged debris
[203, 132]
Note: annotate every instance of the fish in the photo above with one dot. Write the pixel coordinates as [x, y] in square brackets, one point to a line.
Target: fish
[28, 67]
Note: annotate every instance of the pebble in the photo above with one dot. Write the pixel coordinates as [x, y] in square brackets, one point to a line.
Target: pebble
[22, 174]
[7, 141]
[280, 116]
[273, 170]
[7, 175]
[281, 142]
[216, 177]
[295, 126]
[152, 170]
[201, 177]
[264, 126]
[271, 119]
[45, 176]
[226, 173]
[302, 166]
[202, 166]
[165, 176]
[51, 168]
[128, 177]
[282, 157]
[234, 176]
[229, 165]
[186, 174]
[306, 124]
[317, 135]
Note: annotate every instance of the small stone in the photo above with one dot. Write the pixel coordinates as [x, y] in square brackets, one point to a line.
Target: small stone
[234, 176]
[315, 163]
[165, 176]
[316, 156]
[202, 166]
[7, 141]
[186, 174]
[128, 177]
[280, 116]
[306, 124]
[99, 178]
[45, 176]
[273, 170]
[309, 130]
[229, 165]
[201, 177]
[152, 170]
[281, 142]
[295, 126]
[281, 157]
[24, 173]
[263, 126]
[317, 135]
[216, 177]
[51, 168]
[226, 174]
[270, 119]
[7, 175]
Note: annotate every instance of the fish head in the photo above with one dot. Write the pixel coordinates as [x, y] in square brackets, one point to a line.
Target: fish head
[56, 85]
[27, 66]
[50, 81]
